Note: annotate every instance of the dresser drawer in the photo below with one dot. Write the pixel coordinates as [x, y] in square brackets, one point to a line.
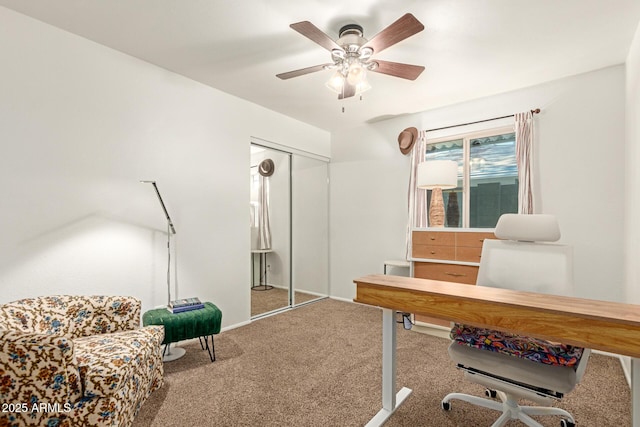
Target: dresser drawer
[446, 272]
[434, 252]
[434, 238]
[468, 254]
[472, 239]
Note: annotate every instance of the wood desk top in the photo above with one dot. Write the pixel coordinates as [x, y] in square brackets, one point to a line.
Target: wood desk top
[601, 325]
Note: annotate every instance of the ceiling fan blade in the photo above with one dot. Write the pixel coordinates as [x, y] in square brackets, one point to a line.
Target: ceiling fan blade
[404, 27]
[302, 71]
[397, 69]
[348, 90]
[313, 33]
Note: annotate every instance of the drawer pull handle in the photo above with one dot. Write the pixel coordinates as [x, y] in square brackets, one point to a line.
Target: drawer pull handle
[433, 252]
[432, 238]
[455, 274]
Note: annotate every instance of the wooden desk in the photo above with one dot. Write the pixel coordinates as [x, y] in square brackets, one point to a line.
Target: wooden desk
[599, 325]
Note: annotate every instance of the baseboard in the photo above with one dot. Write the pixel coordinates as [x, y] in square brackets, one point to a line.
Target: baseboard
[433, 330]
[626, 368]
[317, 294]
[236, 325]
[342, 299]
[625, 363]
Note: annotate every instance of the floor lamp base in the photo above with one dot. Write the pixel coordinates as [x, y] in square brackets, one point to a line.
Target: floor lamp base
[171, 354]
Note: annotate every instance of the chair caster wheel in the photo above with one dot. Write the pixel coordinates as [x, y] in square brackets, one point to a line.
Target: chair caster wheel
[490, 393]
[446, 406]
[567, 423]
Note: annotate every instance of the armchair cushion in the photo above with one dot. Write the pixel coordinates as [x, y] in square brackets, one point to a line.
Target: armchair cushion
[533, 349]
[107, 362]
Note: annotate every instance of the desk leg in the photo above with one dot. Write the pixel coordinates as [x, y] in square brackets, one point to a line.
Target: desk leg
[390, 400]
[635, 392]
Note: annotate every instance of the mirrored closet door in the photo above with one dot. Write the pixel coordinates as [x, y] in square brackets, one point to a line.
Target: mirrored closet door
[270, 218]
[289, 229]
[310, 229]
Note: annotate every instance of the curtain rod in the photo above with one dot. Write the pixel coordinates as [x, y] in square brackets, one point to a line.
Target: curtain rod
[536, 111]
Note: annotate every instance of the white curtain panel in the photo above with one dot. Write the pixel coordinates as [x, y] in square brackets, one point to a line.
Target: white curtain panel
[524, 157]
[264, 229]
[417, 206]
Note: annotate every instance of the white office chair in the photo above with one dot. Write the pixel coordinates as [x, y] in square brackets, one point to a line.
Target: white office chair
[516, 366]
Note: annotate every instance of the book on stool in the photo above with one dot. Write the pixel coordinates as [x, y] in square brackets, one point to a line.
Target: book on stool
[185, 304]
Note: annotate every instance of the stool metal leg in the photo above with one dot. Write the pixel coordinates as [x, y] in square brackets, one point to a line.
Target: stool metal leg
[211, 350]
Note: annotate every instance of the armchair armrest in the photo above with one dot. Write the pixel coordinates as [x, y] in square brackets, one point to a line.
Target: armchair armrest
[37, 368]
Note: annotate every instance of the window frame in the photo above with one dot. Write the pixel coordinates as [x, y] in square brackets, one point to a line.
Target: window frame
[466, 152]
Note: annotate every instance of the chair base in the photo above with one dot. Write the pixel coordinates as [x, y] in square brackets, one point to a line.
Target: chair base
[510, 409]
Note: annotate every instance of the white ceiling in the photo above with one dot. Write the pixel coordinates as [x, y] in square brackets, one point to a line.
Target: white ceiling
[470, 48]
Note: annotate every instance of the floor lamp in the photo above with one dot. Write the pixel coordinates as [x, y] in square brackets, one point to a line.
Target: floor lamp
[177, 351]
[437, 175]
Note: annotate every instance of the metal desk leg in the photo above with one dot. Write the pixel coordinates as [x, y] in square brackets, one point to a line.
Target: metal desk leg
[635, 392]
[390, 400]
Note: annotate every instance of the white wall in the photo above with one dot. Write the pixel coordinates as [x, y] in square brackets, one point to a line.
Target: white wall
[632, 191]
[80, 124]
[580, 160]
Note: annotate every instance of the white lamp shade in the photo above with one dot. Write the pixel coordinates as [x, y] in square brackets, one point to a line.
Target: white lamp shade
[336, 82]
[437, 174]
[363, 85]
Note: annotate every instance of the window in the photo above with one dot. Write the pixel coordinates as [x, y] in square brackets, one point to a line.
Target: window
[487, 176]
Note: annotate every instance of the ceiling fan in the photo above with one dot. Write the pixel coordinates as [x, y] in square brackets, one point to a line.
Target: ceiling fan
[352, 54]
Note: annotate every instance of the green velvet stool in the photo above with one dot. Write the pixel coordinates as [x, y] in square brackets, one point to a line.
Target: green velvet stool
[202, 323]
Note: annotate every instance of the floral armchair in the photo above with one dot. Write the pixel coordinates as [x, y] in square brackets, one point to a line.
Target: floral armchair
[76, 361]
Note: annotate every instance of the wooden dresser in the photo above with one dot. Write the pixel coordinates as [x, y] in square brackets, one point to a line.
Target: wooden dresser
[450, 255]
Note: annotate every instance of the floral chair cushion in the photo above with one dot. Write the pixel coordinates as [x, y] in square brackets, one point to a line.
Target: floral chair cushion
[106, 362]
[533, 349]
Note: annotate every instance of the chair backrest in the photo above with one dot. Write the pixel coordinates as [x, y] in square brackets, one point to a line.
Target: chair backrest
[525, 260]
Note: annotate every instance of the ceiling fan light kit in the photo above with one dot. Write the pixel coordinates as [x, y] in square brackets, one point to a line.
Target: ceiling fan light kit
[352, 53]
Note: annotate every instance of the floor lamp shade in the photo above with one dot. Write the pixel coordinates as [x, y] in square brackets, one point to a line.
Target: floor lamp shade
[437, 175]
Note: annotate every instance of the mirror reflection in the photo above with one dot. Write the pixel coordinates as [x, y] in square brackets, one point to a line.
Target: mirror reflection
[270, 220]
[289, 230]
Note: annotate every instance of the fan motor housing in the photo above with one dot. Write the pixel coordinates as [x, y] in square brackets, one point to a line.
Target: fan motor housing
[351, 29]
[351, 37]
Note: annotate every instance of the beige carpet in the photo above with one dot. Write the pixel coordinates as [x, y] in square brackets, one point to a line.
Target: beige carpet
[272, 299]
[320, 365]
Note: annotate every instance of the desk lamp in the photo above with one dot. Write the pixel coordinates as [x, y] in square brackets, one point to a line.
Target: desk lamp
[437, 175]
